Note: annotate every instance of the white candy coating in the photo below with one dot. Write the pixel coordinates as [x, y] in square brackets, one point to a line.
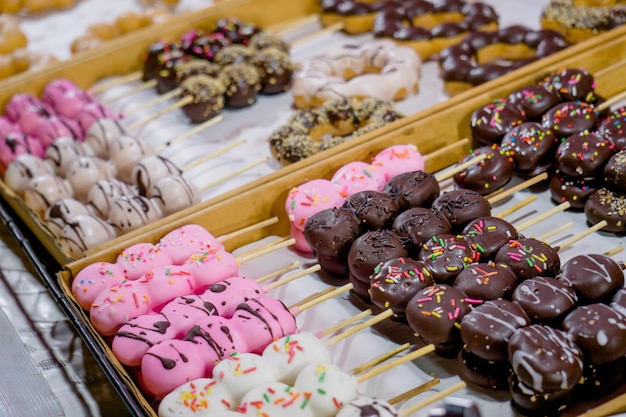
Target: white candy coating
[44, 190]
[103, 194]
[277, 400]
[61, 212]
[202, 396]
[241, 372]
[85, 171]
[132, 212]
[62, 152]
[23, 168]
[101, 135]
[173, 194]
[84, 232]
[150, 170]
[126, 152]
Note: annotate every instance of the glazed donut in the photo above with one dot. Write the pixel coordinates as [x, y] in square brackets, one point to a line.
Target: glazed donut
[310, 131]
[579, 20]
[377, 68]
[22, 60]
[483, 56]
[428, 28]
[11, 36]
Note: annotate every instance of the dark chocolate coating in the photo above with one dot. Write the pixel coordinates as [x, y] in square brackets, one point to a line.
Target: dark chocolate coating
[333, 266]
[486, 235]
[599, 331]
[395, 281]
[534, 100]
[491, 122]
[546, 300]
[446, 256]
[168, 64]
[373, 209]
[235, 30]
[529, 258]
[607, 205]
[574, 191]
[418, 224]
[371, 248]
[461, 207]
[275, 70]
[486, 281]
[570, 118]
[207, 97]
[488, 175]
[234, 54]
[594, 277]
[600, 380]
[413, 189]
[528, 402]
[476, 371]
[435, 313]
[583, 155]
[242, 83]
[203, 45]
[530, 145]
[545, 359]
[614, 173]
[152, 57]
[486, 329]
[572, 84]
[613, 128]
[331, 232]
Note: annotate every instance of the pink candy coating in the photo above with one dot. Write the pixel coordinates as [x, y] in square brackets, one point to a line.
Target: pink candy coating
[16, 143]
[65, 97]
[92, 112]
[32, 117]
[140, 258]
[310, 198]
[93, 279]
[398, 159]
[187, 239]
[359, 176]
[55, 127]
[18, 103]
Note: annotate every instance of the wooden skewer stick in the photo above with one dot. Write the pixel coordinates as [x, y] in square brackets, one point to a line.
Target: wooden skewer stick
[440, 395]
[517, 206]
[460, 167]
[583, 234]
[609, 68]
[196, 129]
[248, 229]
[392, 364]
[344, 323]
[314, 296]
[163, 97]
[521, 186]
[287, 268]
[614, 251]
[367, 323]
[561, 207]
[301, 306]
[556, 231]
[129, 92]
[609, 102]
[180, 103]
[380, 359]
[114, 82]
[264, 251]
[213, 155]
[292, 277]
[446, 149]
[609, 408]
[413, 392]
[336, 27]
[235, 173]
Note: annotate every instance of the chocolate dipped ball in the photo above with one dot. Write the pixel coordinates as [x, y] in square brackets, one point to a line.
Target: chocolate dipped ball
[530, 146]
[103, 194]
[595, 277]
[599, 331]
[545, 359]
[332, 231]
[613, 129]
[275, 70]
[233, 54]
[435, 314]
[528, 402]
[529, 258]
[338, 268]
[607, 205]
[572, 84]
[486, 329]
[149, 170]
[62, 152]
[85, 171]
[61, 212]
[482, 373]
[196, 67]
[168, 64]
[570, 118]
[43, 190]
[174, 193]
[413, 189]
[486, 235]
[546, 300]
[152, 57]
[367, 251]
[534, 100]
[24, 168]
[488, 175]
[373, 209]
[583, 155]
[395, 281]
[491, 122]
[460, 207]
[264, 40]
[446, 256]
[614, 173]
[417, 225]
[206, 97]
[132, 212]
[486, 281]
[601, 380]
[575, 191]
[85, 232]
[242, 83]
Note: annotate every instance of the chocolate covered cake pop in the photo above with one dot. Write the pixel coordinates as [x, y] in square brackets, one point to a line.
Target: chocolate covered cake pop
[618, 302]
[84, 232]
[126, 152]
[275, 70]
[486, 281]
[571, 84]
[583, 155]
[607, 205]
[373, 209]
[613, 129]
[594, 277]
[575, 191]
[530, 146]
[332, 231]
[62, 152]
[417, 225]
[488, 175]
[101, 135]
[242, 83]
[491, 122]
[546, 300]
[614, 173]
[61, 212]
[43, 190]
[149, 170]
[461, 206]
[22, 169]
[482, 373]
[174, 193]
[486, 235]
[446, 256]
[103, 193]
[529, 258]
[85, 171]
[132, 212]
[413, 189]
[207, 97]
[570, 118]
[534, 100]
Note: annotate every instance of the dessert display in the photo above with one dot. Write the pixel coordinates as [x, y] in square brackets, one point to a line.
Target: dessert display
[34, 6]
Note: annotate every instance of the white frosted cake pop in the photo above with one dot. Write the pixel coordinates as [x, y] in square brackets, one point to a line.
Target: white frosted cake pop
[126, 152]
[241, 372]
[173, 194]
[101, 135]
[204, 396]
[61, 212]
[23, 168]
[44, 190]
[62, 152]
[150, 170]
[84, 232]
[104, 193]
[132, 212]
[85, 171]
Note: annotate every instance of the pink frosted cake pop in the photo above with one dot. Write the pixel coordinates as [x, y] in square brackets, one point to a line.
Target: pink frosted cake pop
[65, 97]
[359, 176]
[85, 171]
[150, 170]
[61, 212]
[173, 194]
[95, 278]
[126, 152]
[7, 126]
[17, 143]
[103, 194]
[22, 169]
[18, 103]
[62, 153]
[101, 135]
[43, 190]
[129, 213]
[185, 240]
[140, 258]
[92, 112]
[84, 232]
[398, 159]
[57, 126]
[312, 197]
[33, 116]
